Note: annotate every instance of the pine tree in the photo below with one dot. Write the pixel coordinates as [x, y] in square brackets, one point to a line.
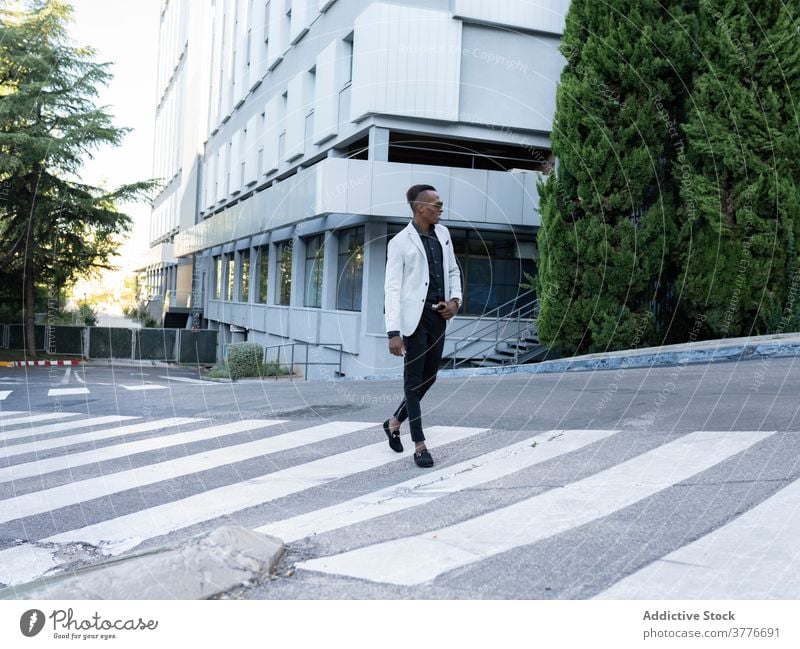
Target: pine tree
[608, 210]
[740, 180]
[53, 228]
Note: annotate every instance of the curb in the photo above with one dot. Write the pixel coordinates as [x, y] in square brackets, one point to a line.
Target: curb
[198, 568]
[37, 363]
[757, 347]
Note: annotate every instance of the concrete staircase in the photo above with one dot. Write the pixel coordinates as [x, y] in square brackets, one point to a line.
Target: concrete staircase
[526, 349]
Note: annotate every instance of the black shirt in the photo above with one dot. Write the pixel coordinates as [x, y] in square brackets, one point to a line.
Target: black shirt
[433, 251]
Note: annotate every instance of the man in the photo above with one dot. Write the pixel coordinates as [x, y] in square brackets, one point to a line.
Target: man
[422, 292]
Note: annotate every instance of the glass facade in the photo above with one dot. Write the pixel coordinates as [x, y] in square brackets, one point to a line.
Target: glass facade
[218, 278]
[284, 293]
[315, 254]
[263, 273]
[230, 276]
[244, 276]
[350, 269]
[491, 271]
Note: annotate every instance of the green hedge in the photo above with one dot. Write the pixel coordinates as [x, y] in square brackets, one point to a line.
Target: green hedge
[244, 359]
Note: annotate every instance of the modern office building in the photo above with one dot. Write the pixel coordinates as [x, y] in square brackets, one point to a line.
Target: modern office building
[287, 132]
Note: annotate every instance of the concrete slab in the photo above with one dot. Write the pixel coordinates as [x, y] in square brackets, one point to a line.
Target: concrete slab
[199, 568]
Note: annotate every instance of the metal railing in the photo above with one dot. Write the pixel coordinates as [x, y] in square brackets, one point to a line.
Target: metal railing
[522, 318]
[305, 363]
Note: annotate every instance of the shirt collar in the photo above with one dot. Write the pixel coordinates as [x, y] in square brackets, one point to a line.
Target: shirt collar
[429, 233]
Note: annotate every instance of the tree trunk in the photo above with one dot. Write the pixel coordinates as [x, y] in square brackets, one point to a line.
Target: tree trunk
[29, 305]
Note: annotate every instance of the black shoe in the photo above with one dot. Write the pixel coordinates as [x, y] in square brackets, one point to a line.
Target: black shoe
[423, 459]
[394, 438]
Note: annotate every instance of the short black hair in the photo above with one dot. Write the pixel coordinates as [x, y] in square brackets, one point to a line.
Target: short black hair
[416, 190]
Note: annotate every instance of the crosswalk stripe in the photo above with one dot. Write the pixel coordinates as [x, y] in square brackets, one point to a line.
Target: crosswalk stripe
[61, 427]
[436, 484]
[421, 558]
[95, 435]
[30, 419]
[4, 394]
[73, 493]
[753, 557]
[59, 392]
[11, 413]
[144, 386]
[48, 465]
[119, 534]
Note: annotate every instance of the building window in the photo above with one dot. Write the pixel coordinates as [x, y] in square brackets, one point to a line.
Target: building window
[491, 271]
[244, 276]
[228, 277]
[315, 253]
[350, 269]
[263, 273]
[218, 278]
[285, 249]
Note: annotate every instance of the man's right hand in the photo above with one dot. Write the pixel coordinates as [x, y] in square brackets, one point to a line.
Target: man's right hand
[396, 346]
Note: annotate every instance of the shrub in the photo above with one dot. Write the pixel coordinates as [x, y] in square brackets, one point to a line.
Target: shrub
[86, 315]
[244, 359]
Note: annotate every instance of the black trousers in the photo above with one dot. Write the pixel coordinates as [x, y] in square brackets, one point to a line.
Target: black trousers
[421, 363]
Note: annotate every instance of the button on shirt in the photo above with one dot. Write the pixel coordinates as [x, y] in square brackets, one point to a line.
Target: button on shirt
[433, 251]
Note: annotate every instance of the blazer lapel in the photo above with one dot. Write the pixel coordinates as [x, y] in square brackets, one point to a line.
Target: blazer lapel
[414, 236]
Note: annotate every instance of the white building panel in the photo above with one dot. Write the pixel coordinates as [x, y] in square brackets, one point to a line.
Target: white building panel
[235, 163]
[228, 73]
[536, 15]
[515, 63]
[240, 85]
[250, 152]
[271, 134]
[258, 50]
[299, 95]
[222, 155]
[303, 12]
[406, 61]
[324, 4]
[332, 67]
[277, 37]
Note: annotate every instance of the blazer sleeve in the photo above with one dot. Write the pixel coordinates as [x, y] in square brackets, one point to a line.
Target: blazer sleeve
[391, 287]
[454, 274]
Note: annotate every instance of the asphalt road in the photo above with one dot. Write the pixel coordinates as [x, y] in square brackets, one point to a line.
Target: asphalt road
[545, 486]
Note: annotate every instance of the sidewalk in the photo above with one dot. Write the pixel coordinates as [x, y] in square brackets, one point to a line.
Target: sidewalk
[707, 351]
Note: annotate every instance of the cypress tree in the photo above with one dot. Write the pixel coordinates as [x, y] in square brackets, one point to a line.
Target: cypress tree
[608, 210]
[739, 198]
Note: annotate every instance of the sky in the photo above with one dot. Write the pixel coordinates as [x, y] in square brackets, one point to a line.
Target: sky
[124, 33]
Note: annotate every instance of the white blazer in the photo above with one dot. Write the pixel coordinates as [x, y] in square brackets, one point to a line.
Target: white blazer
[406, 284]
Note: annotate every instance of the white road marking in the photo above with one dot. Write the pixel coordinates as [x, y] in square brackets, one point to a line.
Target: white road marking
[434, 484]
[9, 413]
[183, 379]
[65, 378]
[29, 419]
[59, 392]
[72, 460]
[421, 558]
[756, 556]
[21, 433]
[4, 394]
[80, 380]
[119, 534]
[144, 386]
[80, 491]
[105, 433]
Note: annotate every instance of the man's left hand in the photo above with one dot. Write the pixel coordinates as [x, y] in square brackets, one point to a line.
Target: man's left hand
[449, 310]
